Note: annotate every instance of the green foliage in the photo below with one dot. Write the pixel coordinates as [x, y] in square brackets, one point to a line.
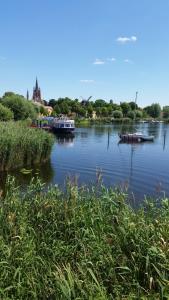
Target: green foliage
[133, 105]
[52, 102]
[139, 114]
[117, 114]
[21, 108]
[100, 103]
[57, 109]
[125, 107]
[43, 111]
[166, 112]
[21, 146]
[131, 114]
[81, 244]
[153, 110]
[5, 113]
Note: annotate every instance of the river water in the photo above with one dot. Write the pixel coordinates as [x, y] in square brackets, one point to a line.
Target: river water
[143, 168]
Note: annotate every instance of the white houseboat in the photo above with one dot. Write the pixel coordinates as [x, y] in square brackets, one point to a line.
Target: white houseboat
[63, 125]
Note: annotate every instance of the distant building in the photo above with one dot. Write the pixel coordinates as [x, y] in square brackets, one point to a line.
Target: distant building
[37, 93]
[49, 109]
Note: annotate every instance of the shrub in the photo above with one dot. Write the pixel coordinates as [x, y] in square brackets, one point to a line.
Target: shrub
[5, 113]
[131, 114]
[117, 114]
[21, 108]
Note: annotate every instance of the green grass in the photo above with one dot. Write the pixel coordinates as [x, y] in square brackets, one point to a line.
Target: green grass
[22, 146]
[81, 244]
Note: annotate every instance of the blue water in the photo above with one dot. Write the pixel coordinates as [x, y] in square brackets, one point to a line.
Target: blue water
[143, 168]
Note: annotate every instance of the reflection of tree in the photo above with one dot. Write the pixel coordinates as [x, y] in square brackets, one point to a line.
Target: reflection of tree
[43, 171]
[133, 148]
[65, 139]
[164, 134]
[101, 130]
[153, 129]
[124, 128]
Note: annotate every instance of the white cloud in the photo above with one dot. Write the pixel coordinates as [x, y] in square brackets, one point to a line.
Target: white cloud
[129, 61]
[99, 62]
[125, 39]
[87, 81]
[111, 59]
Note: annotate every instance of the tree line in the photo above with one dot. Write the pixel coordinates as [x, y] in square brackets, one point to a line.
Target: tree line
[14, 106]
[103, 108]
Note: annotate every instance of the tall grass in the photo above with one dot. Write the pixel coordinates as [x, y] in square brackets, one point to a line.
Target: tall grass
[81, 244]
[22, 146]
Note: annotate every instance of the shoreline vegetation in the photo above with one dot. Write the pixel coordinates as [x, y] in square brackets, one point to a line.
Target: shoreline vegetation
[21, 146]
[16, 107]
[81, 244]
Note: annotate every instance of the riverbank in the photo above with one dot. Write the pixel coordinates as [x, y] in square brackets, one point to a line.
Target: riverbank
[87, 121]
[21, 146]
[81, 244]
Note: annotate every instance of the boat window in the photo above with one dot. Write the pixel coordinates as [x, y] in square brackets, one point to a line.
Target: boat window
[61, 125]
[67, 125]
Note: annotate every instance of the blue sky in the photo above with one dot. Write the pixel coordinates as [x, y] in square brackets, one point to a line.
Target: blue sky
[108, 49]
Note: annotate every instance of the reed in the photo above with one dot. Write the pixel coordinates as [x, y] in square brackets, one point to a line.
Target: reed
[81, 244]
[22, 146]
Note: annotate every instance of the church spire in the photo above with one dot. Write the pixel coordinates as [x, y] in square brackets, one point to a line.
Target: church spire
[36, 85]
[27, 95]
[37, 92]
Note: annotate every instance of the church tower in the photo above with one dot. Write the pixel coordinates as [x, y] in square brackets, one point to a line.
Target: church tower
[37, 93]
[27, 95]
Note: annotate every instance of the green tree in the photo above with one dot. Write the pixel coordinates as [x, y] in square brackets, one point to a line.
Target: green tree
[64, 108]
[166, 112]
[125, 108]
[131, 114]
[153, 110]
[21, 108]
[104, 111]
[90, 110]
[82, 111]
[52, 102]
[57, 109]
[117, 114]
[133, 105]
[139, 114]
[98, 111]
[8, 94]
[100, 103]
[43, 111]
[5, 113]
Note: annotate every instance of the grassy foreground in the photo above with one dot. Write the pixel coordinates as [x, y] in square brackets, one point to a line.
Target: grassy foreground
[81, 244]
[21, 146]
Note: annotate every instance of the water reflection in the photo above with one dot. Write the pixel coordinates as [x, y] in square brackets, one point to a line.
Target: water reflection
[154, 129]
[65, 140]
[142, 166]
[43, 171]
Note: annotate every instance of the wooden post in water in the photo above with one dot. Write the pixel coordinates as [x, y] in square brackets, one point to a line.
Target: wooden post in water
[135, 106]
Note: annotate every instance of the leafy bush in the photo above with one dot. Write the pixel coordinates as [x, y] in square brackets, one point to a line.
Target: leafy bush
[5, 113]
[131, 114]
[117, 114]
[21, 108]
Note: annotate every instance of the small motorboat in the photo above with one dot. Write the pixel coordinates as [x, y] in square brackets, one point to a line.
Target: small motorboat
[63, 125]
[135, 137]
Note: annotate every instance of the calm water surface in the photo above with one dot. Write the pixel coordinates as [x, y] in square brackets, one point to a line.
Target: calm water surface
[142, 167]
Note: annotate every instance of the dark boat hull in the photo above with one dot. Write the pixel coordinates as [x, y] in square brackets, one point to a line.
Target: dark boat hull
[63, 130]
[135, 138]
